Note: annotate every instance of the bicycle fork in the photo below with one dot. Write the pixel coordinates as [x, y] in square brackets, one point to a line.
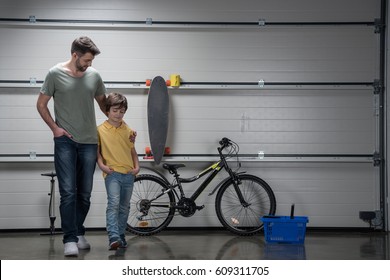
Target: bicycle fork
[236, 183]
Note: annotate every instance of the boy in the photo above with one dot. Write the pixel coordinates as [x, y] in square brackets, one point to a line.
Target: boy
[118, 160]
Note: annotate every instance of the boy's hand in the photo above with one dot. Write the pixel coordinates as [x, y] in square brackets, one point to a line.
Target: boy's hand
[134, 171]
[106, 169]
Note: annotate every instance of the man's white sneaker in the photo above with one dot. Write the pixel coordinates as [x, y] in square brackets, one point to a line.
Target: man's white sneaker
[70, 249]
[83, 244]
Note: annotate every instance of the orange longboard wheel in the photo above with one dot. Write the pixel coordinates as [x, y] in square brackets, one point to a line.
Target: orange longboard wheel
[167, 150]
[148, 151]
[148, 83]
[168, 83]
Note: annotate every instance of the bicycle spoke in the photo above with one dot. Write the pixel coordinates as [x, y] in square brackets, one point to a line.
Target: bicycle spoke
[150, 211]
[244, 218]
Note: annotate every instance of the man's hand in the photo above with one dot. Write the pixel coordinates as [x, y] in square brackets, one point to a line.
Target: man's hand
[58, 132]
[133, 136]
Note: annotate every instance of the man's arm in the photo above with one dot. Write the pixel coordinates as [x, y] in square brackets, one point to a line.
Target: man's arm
[43, 110]
[101, 100]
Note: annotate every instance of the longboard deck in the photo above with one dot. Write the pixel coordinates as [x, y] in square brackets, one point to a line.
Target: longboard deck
[158, 117]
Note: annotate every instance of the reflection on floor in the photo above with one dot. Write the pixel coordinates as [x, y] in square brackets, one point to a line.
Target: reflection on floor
[202, 245]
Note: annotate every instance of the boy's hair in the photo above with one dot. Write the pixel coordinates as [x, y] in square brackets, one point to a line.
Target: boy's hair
[83, 45]
[116, 99]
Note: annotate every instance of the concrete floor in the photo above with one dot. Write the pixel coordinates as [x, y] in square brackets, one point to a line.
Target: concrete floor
[201, 245]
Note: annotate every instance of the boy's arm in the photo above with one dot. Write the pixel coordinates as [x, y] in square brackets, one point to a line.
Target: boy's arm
[134, 156]
[100, 162]
[99, 158]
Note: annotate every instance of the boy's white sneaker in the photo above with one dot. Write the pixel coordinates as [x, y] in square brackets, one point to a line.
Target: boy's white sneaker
[83, 244]
[70, 249]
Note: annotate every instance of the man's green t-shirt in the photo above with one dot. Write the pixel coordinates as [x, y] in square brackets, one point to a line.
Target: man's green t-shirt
[74, 106]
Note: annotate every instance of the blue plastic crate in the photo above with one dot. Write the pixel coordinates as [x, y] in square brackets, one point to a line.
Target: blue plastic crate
[284, 229]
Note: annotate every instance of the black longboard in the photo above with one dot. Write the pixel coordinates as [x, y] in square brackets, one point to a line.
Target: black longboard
[158, 117]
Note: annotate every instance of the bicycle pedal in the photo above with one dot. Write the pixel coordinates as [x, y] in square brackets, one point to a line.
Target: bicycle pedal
[199, 207]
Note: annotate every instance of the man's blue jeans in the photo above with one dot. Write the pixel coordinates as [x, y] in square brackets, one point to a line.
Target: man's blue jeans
[119, 190]
[75, 165]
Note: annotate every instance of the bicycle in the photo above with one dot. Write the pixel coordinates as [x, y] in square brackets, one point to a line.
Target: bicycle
[242, 199]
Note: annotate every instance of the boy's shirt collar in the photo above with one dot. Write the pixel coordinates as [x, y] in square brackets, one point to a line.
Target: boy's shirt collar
[110, 126]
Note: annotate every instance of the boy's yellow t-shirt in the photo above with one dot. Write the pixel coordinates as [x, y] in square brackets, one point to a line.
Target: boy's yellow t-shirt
[115, 146]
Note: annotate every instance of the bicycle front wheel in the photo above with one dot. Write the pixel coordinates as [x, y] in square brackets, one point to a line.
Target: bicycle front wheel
[151, 210]
[244, 218]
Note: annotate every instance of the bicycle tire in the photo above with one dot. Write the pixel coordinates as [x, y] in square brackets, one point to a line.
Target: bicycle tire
[161, 210]
[245, 220]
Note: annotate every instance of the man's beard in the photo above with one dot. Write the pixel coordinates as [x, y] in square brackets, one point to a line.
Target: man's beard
[79, 67]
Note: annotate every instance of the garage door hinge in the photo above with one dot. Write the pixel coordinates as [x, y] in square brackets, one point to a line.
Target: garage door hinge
[377, 159]
[378, 88]
[379, 25]
[32, 19]
[149, 21]
[261, 22]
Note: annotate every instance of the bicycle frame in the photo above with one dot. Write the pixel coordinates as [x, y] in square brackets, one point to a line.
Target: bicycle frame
[240, 199]
[213, 169]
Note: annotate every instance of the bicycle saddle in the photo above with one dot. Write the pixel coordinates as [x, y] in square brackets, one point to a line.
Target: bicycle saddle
[172, 167]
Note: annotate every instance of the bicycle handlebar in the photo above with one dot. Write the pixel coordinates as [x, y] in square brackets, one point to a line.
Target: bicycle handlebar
[225, 142]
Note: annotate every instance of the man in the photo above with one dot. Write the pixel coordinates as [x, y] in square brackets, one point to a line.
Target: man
[74, 85]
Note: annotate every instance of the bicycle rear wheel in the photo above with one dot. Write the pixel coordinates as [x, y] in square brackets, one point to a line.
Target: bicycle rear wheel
[245, 219]
[147, 215]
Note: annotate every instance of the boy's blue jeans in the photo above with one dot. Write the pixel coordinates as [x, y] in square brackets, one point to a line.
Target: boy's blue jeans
[75, 165]
[119, 190]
